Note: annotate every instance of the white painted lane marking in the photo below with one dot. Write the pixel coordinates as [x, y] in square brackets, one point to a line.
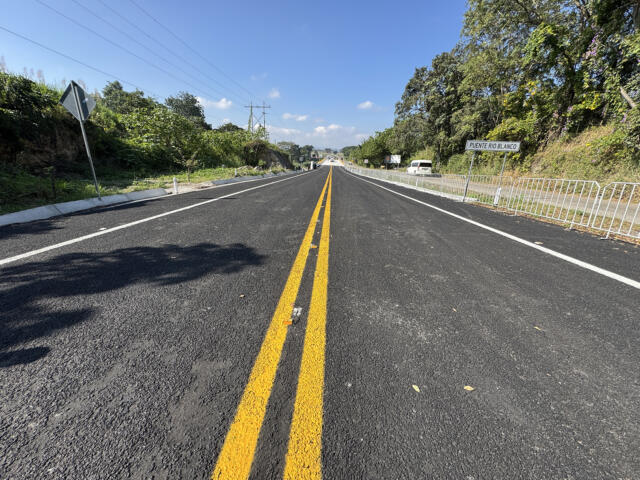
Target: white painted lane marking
[174, 195]
[15, 258]
[562, 256]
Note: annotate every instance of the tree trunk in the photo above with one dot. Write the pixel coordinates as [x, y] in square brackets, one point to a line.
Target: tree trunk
[626, 96]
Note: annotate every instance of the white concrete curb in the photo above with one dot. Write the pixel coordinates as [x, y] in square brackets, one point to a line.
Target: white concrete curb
[57, 209]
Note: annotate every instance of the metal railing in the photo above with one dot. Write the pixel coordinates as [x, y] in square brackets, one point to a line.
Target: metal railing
[618, 210]
[486, 189]
[614, 208]
[567, 201]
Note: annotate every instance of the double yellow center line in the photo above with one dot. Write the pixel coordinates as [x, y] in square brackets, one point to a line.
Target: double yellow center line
[303, 458]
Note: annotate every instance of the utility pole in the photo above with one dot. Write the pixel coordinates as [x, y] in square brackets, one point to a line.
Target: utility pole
[264, 117]
[250, 125]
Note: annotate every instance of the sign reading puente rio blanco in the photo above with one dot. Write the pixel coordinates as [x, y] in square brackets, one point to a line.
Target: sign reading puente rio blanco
[487, 146]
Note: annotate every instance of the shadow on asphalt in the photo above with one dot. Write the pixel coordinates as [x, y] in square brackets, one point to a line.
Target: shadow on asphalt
[46, 225]
[27, 290]
[32, 228]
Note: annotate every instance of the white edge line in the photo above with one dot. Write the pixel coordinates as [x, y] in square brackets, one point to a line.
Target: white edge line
[173, 195]
[15, 258]
[562, 256]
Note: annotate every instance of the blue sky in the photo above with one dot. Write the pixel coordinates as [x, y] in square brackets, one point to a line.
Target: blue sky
[332, 70]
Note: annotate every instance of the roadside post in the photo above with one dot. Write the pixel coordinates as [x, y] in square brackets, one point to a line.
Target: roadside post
[80, 105]
[466, 184]
[489, 146]
[175, 186]
[496, 198]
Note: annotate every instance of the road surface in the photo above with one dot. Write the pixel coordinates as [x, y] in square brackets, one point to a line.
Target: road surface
[319, 324]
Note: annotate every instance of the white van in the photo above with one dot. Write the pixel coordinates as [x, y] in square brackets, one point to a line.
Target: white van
[420, 167]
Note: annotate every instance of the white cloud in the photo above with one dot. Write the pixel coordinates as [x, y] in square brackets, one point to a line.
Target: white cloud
[322, 131]
[298, 118]
[366, 105]
[259, 76]
[221, 104]
[274, 93]
[280, 131]
[332, 135]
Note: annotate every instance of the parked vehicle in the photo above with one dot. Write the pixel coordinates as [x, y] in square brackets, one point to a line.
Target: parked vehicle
[420, 167]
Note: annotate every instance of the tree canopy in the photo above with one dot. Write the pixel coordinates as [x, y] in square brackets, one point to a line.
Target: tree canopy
[529, 71]
[188, 106]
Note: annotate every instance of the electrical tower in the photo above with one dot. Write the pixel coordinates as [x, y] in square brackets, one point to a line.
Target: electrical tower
[264, 115]
[261, 121]
[251, 119]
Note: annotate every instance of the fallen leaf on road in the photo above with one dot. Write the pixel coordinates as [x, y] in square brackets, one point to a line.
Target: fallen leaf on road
[537, 328]
[416, 388]
[314, 246]
[469, 388]
[454, 309]
[242, 295]
[538, 243]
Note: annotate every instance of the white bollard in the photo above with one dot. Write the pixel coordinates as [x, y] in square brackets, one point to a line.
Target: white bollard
[175, 186]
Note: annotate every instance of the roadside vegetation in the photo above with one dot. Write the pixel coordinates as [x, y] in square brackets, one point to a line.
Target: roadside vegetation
[562, 76]
[137, 143]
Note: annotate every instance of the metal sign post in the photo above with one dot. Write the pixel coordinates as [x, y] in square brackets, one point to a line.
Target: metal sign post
[496, 198]
[80, 105]
[466, 185]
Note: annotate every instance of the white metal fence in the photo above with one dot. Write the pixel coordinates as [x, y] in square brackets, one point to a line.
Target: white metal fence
[563, 200]
[613, 209]
[618, 210]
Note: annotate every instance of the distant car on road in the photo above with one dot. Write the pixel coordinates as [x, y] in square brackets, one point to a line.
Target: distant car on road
[420, 167]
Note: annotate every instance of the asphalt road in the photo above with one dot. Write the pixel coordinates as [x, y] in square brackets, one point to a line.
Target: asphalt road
[159, 340]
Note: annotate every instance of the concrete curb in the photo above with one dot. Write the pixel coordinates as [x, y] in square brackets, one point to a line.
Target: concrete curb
[57, 209]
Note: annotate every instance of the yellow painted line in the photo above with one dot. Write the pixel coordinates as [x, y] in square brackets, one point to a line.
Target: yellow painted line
[236, 456]
[304, 455]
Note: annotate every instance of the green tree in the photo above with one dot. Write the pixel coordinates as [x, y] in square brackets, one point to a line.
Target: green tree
[189, 107]
[228, 127]
[117, 99]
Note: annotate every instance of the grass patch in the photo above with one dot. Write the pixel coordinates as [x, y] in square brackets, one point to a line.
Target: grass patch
[20, 190]
[598, 153]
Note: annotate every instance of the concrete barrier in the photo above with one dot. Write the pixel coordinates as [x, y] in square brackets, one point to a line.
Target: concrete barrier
[142, 194]
[38, 213]
[65, 208]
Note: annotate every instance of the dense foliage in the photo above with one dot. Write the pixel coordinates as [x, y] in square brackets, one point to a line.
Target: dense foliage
[530, 71]
[127, 131]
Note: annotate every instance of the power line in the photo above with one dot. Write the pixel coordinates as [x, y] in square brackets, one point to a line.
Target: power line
[123, 48]
[84, 64]
[135, 40]
[155, 40]
[69, 57]
[190, 48]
